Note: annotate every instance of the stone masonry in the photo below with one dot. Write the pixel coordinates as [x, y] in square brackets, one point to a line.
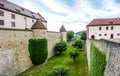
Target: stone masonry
[112, 50]
[14, 54]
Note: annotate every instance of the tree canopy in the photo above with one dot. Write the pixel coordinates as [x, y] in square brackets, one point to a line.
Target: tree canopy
[83, 35]
[70, 35]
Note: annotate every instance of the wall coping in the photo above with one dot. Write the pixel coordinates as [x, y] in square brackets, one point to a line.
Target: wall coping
[14, 29]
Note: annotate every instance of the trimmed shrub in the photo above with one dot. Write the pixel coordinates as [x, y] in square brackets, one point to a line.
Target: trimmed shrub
[59, 71]
[38, 50]
[74, 53]
[97, 62]
[78, 44]
[61, 46]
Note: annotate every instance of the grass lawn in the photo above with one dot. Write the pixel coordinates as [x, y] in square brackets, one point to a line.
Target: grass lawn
[79, 68]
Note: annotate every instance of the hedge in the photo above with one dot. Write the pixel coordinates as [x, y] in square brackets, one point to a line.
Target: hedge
[38, 50]
[97, 62]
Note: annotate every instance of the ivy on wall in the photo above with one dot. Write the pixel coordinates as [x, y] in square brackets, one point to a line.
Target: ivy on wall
[38, 50]
[97, 62]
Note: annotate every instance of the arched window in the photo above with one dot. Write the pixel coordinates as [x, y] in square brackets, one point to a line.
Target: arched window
[92, 37]
[111, 36]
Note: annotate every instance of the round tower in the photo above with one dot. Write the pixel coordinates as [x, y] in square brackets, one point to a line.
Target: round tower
[63, 33]
[39, 30]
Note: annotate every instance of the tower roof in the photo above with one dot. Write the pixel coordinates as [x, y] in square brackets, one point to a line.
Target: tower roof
[38, 25]
[62, 29]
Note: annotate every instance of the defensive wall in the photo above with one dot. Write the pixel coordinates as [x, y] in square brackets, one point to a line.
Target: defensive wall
[14, 54]
[112, 50]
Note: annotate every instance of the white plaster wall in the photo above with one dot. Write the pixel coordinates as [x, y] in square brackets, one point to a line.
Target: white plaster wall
[19, 20]
[94, 30]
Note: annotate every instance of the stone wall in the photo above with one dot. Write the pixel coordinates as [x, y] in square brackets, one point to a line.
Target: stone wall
[112, 50]
[14, 54]
[53, 38]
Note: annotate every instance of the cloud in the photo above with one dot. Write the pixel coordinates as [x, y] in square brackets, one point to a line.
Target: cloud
[73, 14]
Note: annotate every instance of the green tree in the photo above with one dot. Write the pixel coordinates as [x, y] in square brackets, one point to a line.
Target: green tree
[74, 53]
[83, 35]
[60, 47]
[59, 71]
[70, 35]
[78, 44]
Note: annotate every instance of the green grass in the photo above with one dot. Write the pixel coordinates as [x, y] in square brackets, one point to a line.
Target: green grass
[79, 68]
[97, 62]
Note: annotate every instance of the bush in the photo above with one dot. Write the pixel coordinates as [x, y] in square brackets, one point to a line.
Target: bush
[38, 50]
[97, 62]
[59, 71]
[60, 46]
[74, 53]
[78, 44]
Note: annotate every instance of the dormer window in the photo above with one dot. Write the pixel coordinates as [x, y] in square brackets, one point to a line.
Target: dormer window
[31, 12]
[18, 10]
[1, 5]
[1, 13]
[23, 9]
[33, 16]
[111, 22]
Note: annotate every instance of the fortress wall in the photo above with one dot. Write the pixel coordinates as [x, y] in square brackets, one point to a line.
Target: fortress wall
[14, 55]
[53, 38]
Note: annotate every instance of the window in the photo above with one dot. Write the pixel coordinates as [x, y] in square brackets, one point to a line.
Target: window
[111, 36]
[111, 27]
[13, 16]
[105, 34]
[107, 28]
[99, 34]
[100, 28]
[13, 24]
[92, 37]
[1, 22]
[32, 21]
[1, 13]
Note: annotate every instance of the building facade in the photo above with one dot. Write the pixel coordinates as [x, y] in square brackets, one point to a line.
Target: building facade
[14, 16]
[108, 28]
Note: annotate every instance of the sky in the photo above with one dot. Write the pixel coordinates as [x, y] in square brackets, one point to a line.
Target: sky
[73, 14]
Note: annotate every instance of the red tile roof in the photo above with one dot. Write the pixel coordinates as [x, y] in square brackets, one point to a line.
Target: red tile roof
[38, 25]
[62, 29]
[104, 22]
[4, 4]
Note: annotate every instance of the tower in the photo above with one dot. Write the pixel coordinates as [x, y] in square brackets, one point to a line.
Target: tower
[63, 33]
[39, 30]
